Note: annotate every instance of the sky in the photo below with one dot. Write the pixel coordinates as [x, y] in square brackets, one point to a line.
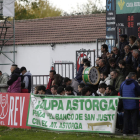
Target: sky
[70, 5]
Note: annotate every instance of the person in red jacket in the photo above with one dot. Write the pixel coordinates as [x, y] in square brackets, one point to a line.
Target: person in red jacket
[52, 73]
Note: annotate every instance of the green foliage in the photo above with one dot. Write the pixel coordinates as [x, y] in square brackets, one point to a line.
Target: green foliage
[25, 9]
[91, 7]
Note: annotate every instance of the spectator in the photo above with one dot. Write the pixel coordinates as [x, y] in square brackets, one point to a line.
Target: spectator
[104, 78]
[15, 80]
[23, 89]
[86, 64]
[54, 89]
[123, 43]
[86, 91]
[136, 60]
[26, 78]
[3, 82]
[101, 89]
[110, 91]
[116, 79]
[58, 80]
[97, 61]
[112, 64]
[36, 90]
[128, 55]
[42, 90]
[124, 69]
[132, 40]
[61, 90]
[69, 91]
[102, 66]
[104, 50]
[116, 54]
[81, 68]
[52, 73]
[74, 84]
[130, 88]
[80, 87]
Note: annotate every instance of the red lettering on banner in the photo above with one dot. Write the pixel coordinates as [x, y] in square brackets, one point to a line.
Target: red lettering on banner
[14, 109]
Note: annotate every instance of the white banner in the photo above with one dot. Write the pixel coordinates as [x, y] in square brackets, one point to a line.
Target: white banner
[71, 113]
[9, 8]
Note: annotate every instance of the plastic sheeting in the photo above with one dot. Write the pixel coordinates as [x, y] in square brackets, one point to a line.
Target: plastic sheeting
[8, 8]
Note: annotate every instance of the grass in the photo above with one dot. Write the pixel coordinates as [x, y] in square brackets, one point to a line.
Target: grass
[39, 134]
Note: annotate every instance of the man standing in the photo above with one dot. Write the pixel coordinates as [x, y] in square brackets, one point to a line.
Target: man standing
[104, 50]
[26, 78]
[130, 88]
[15, 80]
[52, 73]
[116, 79]
[3, 82]
[123, 43]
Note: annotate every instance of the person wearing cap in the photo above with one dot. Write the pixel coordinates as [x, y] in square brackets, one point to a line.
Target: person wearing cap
[123, 43]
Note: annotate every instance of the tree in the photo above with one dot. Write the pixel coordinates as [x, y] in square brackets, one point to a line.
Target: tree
[89, 8]
[25, 9]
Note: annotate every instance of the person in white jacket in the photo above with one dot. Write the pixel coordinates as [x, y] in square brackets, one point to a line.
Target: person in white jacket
[104, 78]
[3, 82]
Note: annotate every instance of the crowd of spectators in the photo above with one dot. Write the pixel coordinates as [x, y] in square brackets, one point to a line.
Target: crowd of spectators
[119, 76]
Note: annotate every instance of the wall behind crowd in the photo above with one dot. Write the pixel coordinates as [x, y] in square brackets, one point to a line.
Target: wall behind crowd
[39, 58]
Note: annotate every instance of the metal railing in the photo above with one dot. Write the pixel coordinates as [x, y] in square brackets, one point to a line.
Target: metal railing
[65, 69]
[39, 80]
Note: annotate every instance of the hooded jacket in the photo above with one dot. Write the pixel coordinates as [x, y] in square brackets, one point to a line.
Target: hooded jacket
[3, 82]
[27, 80]
[130, 88]
[15, 82]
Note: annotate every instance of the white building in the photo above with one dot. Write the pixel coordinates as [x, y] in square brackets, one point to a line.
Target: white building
[34, 38]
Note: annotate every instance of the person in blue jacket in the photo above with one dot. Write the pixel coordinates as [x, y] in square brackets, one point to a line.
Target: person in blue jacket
[81, 68]
[130, 88]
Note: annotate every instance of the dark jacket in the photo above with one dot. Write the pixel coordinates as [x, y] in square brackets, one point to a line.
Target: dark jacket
[128, 58]
[130, 88]
[114, 68]
[116, 57]
[124, 71]
[104, 69]
[121, 48]
[15, 82]
[117, 82]
[79, 74]
[137, 62]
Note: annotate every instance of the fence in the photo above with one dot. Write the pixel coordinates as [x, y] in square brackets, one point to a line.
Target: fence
[39, 80]
[65, 69]
[110, 42]
[80, 54]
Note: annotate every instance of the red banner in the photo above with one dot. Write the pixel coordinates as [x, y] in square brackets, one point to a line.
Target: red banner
[14, 109]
